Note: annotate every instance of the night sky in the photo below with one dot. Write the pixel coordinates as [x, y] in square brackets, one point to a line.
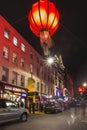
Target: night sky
[69, 40]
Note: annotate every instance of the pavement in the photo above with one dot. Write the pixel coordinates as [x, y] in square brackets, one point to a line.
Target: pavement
[37, 113]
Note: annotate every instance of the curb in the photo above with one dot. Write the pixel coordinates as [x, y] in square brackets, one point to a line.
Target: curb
[37, 113]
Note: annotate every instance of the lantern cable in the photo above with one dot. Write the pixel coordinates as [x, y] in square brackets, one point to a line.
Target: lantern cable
[76, 37]
[61, 25]
[21, 19]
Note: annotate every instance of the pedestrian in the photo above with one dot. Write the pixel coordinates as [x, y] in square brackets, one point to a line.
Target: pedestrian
[33, 107]
[22, 104]
[41, 107]
[30, 108]
[83, 108]
[75, 106]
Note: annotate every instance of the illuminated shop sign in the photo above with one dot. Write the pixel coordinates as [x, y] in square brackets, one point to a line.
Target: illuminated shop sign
[8, 87]
[12, 88]
[17, 89]
[23, 94]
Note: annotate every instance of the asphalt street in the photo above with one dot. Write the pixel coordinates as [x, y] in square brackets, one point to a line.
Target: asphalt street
[71, 119]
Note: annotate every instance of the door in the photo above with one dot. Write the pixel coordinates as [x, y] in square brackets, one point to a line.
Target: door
[4, 112]
[13, 110]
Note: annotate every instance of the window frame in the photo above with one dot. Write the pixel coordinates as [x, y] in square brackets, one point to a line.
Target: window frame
[6, 33]
[15, 41]
[23, 47]
[5, 52]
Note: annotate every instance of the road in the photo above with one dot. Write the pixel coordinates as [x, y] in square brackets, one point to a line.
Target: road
[66, 120]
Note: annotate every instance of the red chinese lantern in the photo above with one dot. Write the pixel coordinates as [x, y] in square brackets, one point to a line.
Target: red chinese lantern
[81, 89]
[44, 21]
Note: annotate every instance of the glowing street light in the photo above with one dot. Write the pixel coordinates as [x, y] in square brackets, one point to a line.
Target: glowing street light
[50, 60]
[85, 84]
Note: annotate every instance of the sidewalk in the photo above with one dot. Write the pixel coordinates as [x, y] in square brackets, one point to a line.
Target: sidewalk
[37, 113]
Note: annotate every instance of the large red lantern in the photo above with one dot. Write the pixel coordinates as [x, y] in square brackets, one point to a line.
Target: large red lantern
[81, 89]
[44, 21]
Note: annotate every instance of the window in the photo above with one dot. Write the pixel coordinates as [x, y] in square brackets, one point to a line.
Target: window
[6, 34]
[37, 60]
[14, 58]
[51, 91]
[38, 72]
[45, 88]
[15, 41]
[10, 104]
[41, 87]
[22, 62]
[22, 80]
[44, 76]
[48, 90]
[22, 47]
[48, 78]
[5, 72]
[31, 55]
[2, 104]
[14, 78]
[31, 68]
[5, 52]
[38, 86]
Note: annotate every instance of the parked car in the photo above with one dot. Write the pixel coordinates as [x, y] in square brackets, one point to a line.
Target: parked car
[10, 111]
[52, 107]
[65, 104]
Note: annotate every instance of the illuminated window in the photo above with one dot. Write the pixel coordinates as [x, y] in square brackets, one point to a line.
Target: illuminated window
[15, 41]
[14, 58]
[6, 34]
[5, 52]
[22, 62]
[22, 47]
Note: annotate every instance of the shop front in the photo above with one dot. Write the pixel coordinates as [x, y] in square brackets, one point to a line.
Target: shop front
[14, 93]
[34, 97]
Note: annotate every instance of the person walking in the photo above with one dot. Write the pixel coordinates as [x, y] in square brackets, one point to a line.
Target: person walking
[41, 107]
[83, 108]
[30, 105]
[33, 107]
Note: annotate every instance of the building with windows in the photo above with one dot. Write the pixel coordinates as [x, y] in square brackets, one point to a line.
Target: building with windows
[22, 67]
[24, 75]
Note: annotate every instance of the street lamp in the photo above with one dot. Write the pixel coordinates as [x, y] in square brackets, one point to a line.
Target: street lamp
[50, 60]
[85, 84]
[53, 60]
